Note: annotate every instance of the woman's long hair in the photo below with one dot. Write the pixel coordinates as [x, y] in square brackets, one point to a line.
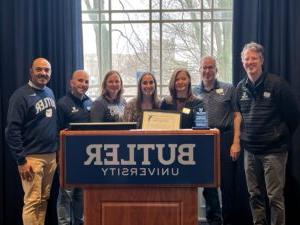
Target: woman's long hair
[172, 88]
[140, 95]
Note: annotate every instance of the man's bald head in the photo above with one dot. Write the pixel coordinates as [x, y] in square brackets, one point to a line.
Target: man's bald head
[79, 83]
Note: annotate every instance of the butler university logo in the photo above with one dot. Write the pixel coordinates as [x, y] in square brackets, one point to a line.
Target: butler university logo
[244, 96]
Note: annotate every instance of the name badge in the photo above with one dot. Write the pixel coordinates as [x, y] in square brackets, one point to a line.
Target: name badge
[267, 94]
[186, 110]
[220, 91]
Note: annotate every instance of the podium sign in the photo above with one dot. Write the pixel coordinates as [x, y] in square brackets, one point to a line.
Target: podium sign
[186, 157]
[140, 177]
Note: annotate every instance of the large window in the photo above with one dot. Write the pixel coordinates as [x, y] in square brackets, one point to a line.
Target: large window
[133, 36]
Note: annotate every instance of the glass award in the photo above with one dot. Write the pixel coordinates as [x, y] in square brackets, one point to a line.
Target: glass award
[201, 120]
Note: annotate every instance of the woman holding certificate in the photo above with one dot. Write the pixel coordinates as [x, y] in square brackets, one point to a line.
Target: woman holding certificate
[109, 107]
[146, 99]
[182, 100]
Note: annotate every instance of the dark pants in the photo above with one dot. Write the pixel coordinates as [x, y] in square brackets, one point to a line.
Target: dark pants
[233, 190]
[212, 203]
[229, 185]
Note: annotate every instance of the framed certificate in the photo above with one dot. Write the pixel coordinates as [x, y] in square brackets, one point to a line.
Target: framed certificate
[161, 120]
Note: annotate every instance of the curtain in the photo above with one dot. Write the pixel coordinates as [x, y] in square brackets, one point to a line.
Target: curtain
[31, 29]
[275, 25]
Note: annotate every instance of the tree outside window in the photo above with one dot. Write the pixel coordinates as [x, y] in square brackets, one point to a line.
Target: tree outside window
[157, 36]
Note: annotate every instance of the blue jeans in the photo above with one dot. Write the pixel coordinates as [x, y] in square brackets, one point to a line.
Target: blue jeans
[70, 206]
[265, 176]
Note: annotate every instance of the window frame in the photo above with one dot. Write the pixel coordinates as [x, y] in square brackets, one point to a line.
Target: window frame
[202, 10]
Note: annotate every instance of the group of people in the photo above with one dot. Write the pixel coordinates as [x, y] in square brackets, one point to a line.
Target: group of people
[259, 116]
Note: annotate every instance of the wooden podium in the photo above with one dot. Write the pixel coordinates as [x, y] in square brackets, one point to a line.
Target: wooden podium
[140, 177]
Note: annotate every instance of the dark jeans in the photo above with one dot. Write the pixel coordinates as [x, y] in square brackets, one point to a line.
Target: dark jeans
[228, 179]
[212, 203]
[70, 206]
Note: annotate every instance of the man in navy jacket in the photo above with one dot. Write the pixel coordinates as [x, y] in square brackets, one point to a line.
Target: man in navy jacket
[73, 107]
[31, 135]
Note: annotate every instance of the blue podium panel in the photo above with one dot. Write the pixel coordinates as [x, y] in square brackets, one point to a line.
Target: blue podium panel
[186, 157]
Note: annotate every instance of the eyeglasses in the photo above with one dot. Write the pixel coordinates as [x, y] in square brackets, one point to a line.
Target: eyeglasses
[207, 68]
